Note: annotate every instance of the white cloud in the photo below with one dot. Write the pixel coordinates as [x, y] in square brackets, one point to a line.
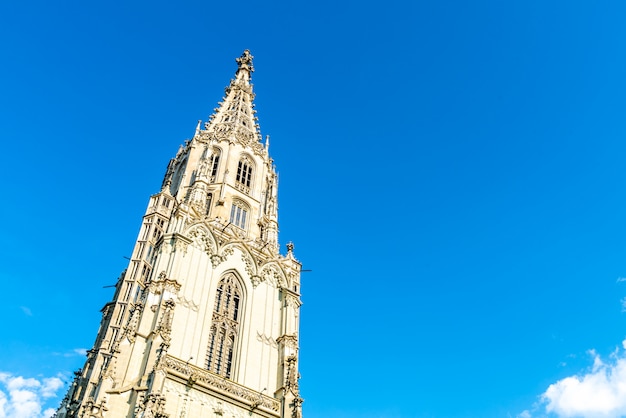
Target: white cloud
[71, 353]
[50, 385]
[26, 397]
[17, 383]
[26, 310]
[599, 393]
[80, 351]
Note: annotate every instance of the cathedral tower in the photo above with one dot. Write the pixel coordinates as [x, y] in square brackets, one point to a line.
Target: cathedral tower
[204, 321]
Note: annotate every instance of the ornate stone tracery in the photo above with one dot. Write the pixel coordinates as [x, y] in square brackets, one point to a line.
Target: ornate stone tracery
[152, 406]
[130, 330]
[232, 307]
[164, 328]
[213, 380]
[202, 239]
[273, 275]
[163, 284]
[225, 325]
[249, 263]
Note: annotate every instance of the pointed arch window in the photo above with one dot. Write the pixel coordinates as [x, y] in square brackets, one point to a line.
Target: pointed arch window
[244, 174]
[214, 162]
[239, 214]
[224, 326]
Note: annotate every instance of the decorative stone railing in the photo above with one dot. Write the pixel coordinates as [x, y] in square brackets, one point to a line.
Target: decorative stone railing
[220, 383]
[163, 210]
[242, 188]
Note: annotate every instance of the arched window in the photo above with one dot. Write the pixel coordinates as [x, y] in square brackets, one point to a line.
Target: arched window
[214, 161]
[209, 199]
[244, 174]
[225, 326]
[239, 214]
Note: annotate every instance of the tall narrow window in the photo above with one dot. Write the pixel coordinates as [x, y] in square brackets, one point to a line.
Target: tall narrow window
[238, 214]
[224, 326]
[244, 174]
[209, 199]
[214, 162]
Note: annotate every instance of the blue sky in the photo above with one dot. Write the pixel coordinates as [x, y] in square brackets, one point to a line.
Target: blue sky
[451, 172]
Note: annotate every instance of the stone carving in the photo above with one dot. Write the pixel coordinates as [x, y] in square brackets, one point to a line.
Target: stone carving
[291, 382]
[244, 137]
[249, 262]
[270, 275]
[234, 119]
[228, 251]
[218, 382]
[130, 330]
[161, 354]
[292, 276]
[180, 245]
[216, 260]
[153, 406]
[245, 61]
[165, 324]
[288, 340]
[207, 404]
[94, 410]
[273, 275]
[255, 279]
[297, 407]
[291, 385]
[222, 131]
[292, 301]
[202, 239]
[163, 284]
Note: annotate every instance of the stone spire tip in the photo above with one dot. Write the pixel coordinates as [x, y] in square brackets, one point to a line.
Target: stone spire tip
[245, 61]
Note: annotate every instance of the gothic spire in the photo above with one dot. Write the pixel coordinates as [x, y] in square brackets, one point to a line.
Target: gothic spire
[245, 62]
[236, 114]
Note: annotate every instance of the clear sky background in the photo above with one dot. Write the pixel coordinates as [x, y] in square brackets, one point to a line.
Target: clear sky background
[451, 172]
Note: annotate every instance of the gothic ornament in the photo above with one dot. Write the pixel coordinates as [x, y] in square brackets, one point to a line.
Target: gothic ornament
[165, 324]
[153, 406]
[130, 330]
[245, 61]
[249, 262]
[183, 264]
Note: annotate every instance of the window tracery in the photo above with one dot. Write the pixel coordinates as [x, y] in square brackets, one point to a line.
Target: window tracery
[224, 326]
[244, 174]
[239, 214]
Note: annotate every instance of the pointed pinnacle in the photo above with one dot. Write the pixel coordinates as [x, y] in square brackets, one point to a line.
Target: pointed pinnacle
[245, 61]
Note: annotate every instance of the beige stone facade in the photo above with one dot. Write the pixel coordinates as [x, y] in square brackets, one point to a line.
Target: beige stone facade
[204, 321]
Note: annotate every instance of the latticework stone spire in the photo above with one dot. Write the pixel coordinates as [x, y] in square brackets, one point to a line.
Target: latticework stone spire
[235, 113]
